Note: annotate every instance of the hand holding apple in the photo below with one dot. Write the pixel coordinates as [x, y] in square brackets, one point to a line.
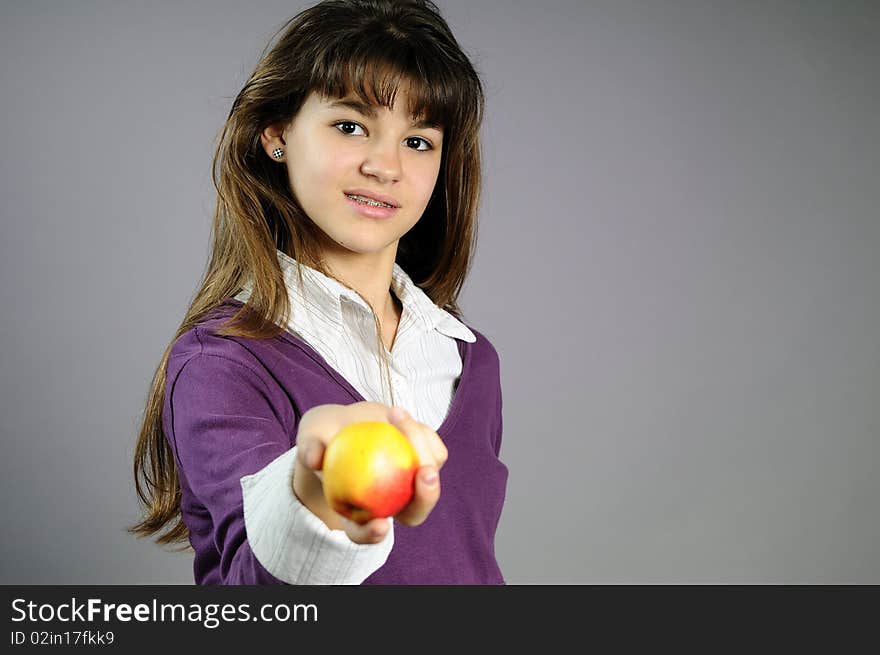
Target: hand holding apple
[369, 471]
[320, 426]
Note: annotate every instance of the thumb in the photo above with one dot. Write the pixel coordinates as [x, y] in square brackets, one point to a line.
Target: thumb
[412, 430]
[427, 493]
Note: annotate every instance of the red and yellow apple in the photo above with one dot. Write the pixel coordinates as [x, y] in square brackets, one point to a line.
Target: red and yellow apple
[369, 471]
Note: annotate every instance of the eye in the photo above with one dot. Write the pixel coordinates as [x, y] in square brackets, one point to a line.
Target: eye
[425, 141]
[352, 124]
[347, 123]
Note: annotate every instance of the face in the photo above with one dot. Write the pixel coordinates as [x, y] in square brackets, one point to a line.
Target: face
[331, 149]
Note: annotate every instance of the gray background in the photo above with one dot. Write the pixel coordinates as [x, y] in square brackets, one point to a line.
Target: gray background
[677, 264]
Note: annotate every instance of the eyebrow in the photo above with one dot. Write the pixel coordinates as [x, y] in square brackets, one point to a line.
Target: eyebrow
[370, 112]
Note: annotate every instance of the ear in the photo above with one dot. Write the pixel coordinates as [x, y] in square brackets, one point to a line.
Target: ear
[273, 137]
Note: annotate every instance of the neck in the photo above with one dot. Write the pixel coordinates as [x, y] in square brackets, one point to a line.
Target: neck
[370, 275]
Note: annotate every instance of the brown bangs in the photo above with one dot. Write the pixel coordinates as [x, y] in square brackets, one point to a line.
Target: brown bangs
[374, 70]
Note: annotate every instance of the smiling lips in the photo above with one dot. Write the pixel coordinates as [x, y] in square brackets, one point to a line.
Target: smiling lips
[369, 201]
[368, 196]
[369, 207]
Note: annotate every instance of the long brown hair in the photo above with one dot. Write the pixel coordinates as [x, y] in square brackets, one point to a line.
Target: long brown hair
[337, 47]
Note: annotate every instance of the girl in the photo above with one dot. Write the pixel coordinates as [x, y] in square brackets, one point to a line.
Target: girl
[348, 178]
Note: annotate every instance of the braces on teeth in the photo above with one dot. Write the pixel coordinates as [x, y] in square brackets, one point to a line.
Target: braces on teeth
[365, 201]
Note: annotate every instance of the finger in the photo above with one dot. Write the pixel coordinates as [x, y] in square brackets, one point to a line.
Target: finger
[426, 496]
[305, 460]
[316, 429]
[441, 454]
[415, 432]
[398, 417]
[310, 451]
[371, 532]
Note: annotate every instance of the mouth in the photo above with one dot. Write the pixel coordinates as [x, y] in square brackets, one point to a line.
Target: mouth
[371, 208]
[372, 200]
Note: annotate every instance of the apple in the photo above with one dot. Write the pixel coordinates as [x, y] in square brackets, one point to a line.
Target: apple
[369, 471]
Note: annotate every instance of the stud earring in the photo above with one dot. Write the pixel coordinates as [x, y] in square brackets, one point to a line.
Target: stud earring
[278, 153]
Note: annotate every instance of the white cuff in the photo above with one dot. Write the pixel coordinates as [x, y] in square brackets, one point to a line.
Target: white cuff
[292, 543]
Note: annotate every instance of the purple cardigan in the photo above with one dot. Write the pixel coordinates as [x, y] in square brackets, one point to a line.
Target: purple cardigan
[232, 405]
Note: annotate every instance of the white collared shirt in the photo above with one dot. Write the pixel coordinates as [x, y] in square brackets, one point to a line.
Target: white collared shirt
[424, 361]
[288, 539]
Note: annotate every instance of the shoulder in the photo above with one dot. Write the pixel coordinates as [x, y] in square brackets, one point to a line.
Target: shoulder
[211, 374]
[483, 346]
[485, 363]
[201, 347]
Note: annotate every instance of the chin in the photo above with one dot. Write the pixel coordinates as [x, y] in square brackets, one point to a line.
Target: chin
[364, 243]
[365, 249]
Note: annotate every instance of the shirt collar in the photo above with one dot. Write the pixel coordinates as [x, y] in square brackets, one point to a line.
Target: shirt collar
[329, 294]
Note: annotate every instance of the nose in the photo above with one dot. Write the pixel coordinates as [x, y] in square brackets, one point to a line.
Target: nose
[382, 161]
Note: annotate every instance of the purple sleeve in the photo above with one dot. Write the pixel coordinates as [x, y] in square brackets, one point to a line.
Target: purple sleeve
[225, 427]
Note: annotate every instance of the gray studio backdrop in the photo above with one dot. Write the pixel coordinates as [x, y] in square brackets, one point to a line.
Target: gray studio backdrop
[677, 264]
